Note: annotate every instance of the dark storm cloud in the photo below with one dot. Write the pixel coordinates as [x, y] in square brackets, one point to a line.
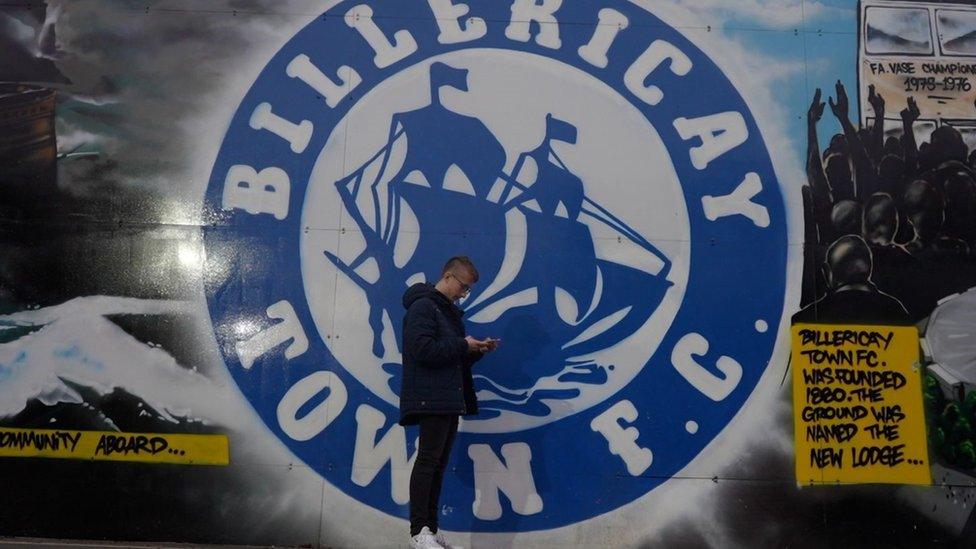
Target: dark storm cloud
[23, 40]
[135, 77]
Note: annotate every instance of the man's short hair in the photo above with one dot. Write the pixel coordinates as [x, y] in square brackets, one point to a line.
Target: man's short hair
[849, 260]
[880, 209]
[461, 261]
[845, 217]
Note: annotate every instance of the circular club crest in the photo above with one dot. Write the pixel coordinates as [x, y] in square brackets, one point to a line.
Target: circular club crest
[607, 180]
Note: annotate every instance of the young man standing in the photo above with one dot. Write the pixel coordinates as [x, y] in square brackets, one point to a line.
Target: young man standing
[437, 386]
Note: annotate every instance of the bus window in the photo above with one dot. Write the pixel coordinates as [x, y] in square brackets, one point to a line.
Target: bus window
[898, 31]
[957, 31]
[922, 129]
[968, 131]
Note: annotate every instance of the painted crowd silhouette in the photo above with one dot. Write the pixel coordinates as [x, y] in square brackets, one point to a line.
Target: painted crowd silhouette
[889, 223]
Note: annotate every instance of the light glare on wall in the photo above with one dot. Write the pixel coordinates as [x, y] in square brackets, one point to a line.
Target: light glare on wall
[190, 255]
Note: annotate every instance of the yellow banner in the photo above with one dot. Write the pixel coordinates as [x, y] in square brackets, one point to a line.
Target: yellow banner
[115, 446]
[857, 405]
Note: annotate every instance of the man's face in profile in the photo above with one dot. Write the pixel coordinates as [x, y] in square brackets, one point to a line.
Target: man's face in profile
[460, 283]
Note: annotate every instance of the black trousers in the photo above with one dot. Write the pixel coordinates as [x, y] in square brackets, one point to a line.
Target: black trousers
[437, 434]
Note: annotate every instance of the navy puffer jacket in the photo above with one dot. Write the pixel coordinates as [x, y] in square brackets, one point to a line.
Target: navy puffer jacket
[436, 362]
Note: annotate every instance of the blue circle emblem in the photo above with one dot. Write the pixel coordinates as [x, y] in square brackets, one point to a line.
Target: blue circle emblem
[606, 178]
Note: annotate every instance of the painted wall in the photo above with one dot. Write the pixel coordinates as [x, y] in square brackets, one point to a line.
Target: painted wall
[210, 211]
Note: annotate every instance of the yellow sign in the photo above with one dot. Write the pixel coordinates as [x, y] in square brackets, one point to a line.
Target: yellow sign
[115, 446]
[857, 405]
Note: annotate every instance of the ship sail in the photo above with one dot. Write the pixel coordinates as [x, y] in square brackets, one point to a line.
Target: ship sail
[544, 290]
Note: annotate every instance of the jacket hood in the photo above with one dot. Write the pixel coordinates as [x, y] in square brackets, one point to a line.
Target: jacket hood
[417, 291]
[425, 289]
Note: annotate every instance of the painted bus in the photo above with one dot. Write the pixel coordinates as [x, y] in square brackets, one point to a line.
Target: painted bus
[924, 50]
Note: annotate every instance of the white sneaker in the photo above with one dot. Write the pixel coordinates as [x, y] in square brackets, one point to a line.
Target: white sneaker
[425, 540]
[439, 538]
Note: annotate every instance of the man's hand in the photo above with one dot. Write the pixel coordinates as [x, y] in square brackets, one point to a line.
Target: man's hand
[491, 344]
[840, 107]
[816, 108]
[877, 102]
[481, 346]
[474, 345]
[910, 114]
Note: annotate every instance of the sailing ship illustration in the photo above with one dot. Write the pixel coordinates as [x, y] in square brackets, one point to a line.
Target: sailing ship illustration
[28, 144]
[543, 289]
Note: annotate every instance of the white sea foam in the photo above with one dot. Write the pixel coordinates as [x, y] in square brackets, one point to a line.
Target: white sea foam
[78, 343]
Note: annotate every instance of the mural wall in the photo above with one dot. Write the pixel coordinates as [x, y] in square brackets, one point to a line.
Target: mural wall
[210, 212]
